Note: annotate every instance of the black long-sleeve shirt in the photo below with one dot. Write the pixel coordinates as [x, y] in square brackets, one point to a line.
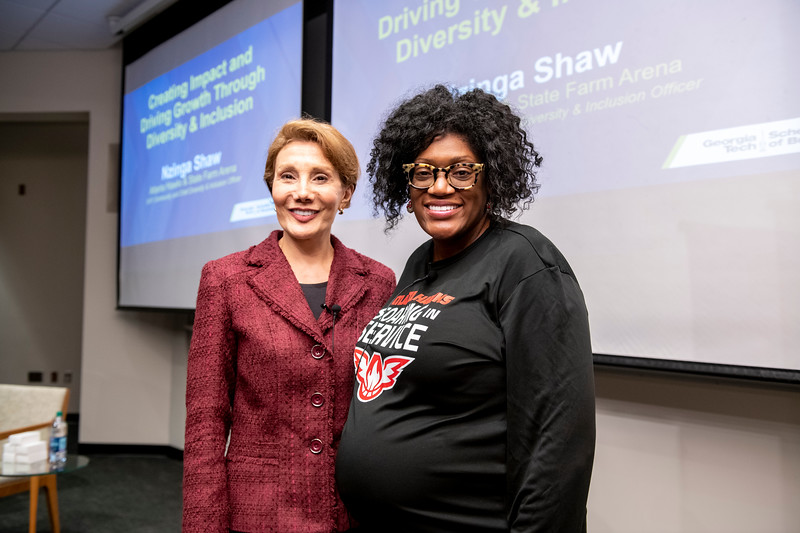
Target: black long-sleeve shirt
[473, 407]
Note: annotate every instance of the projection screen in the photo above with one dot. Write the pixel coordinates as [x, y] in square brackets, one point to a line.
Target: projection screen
[199, 112]
[670, 132]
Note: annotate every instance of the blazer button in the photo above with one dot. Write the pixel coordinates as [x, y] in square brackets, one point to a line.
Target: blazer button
[317, 400]
[317, 352]
[316, 446]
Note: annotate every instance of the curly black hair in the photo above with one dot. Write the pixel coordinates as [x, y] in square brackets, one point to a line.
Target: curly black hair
[490, 127]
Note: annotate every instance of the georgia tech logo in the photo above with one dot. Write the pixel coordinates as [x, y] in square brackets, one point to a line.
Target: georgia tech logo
[375, 374]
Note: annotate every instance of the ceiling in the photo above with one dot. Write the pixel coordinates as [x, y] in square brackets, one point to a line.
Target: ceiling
[69, 24]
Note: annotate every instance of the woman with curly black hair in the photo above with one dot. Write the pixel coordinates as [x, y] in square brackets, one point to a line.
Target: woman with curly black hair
[473, 405]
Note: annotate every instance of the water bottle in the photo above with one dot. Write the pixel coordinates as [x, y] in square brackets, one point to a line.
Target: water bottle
[58, 441]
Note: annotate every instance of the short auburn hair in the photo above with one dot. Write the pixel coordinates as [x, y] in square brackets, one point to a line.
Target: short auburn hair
[335, 147]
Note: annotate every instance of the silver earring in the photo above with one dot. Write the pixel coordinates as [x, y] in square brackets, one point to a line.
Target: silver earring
[341, 211]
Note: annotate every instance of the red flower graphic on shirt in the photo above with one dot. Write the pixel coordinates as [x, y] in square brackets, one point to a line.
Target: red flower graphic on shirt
[375, 374]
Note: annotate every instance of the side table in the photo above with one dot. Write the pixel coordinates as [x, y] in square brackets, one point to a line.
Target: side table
[41, 475]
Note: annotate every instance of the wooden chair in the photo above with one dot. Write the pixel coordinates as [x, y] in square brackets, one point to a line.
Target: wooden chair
[30, 408]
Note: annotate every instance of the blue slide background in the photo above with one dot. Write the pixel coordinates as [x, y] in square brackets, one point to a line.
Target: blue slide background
[242, 139]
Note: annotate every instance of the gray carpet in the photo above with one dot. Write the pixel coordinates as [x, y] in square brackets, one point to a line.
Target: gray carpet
[114, 493]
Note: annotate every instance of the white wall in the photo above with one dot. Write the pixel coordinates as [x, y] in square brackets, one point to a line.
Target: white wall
[683, 454]
[674, 454]
[126, 357]
[42, 236]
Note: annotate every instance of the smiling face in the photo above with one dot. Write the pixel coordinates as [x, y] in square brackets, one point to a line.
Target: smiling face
[307, 192]
[453, 218]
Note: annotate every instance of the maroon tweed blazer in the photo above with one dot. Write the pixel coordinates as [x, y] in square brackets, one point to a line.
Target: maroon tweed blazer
[261, 366]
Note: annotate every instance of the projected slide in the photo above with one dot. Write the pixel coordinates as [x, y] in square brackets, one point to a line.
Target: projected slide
[194, 138]
[194, 143]
[685, 83]
[670, 132]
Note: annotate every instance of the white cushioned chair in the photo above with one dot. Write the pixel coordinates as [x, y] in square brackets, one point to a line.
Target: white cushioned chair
[29, 408]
